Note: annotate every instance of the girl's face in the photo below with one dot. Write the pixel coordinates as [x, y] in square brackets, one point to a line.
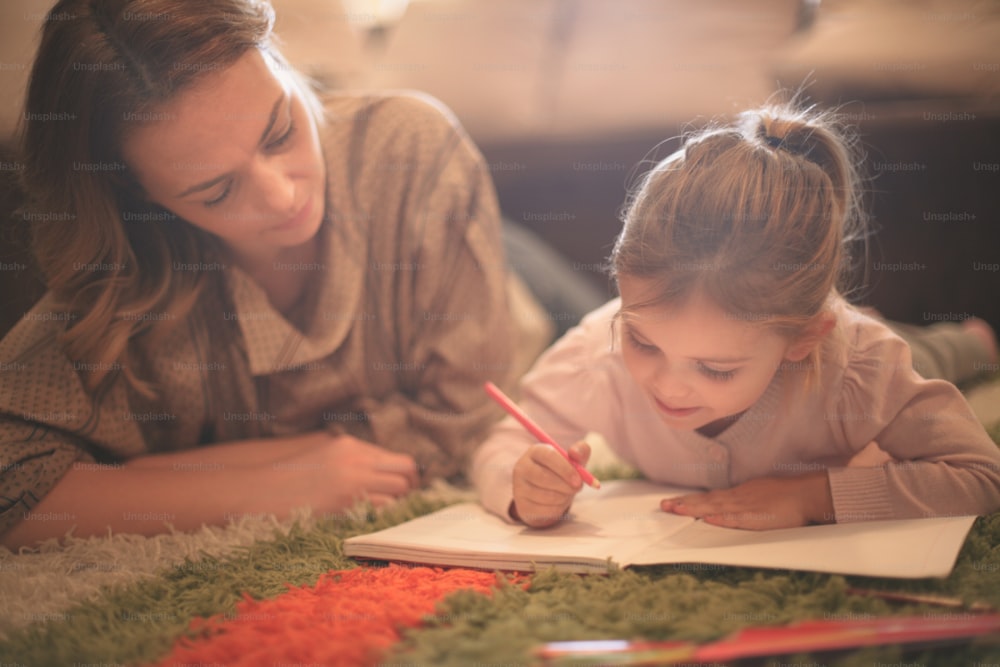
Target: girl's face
[695, 363]
[237, 155]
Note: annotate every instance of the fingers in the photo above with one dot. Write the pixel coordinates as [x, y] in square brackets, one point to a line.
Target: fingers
[669, 505]
[391, 484]
[734, 508]
[703, 504]
[401, 465]
[349, 469]
[390, 467]
[551, 471]
[380, 499]
[544, 485]
[390, 474]
[580, 452]
[682, 504]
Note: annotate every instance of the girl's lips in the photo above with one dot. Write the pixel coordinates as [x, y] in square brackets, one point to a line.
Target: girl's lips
[674, 412]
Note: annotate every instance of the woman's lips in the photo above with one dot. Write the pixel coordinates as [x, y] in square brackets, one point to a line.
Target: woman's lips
[298, 218]
[673, 411]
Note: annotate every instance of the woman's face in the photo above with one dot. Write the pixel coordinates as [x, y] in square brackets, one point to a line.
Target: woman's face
[237, 155]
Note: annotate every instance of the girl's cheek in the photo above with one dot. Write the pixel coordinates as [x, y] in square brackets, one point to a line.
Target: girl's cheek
[642, 365]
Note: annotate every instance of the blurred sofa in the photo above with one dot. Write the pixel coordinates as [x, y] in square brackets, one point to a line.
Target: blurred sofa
[569, 100]
[921, 80]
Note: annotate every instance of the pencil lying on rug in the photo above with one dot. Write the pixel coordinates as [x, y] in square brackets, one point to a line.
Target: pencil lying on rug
[534, 429]
[804, 637]
[917, 598]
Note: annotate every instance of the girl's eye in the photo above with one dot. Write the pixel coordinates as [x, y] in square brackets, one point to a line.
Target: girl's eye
[219, 199]
[283, 139]
[640, 346]
[715, 374]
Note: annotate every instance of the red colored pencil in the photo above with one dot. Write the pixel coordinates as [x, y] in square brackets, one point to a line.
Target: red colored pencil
[534, 429]
[755, 642]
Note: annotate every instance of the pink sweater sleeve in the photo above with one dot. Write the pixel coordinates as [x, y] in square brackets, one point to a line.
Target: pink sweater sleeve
[493, 466]
[568, 392]
[945, 462]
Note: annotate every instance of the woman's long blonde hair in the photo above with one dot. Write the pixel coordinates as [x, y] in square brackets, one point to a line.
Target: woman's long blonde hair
[107, 254]
[759, 216]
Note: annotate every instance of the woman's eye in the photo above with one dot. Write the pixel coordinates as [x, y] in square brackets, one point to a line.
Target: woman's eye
[221, 197]
[283, 139]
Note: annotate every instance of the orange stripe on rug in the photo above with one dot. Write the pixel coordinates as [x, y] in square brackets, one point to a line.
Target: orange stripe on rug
[349, 617]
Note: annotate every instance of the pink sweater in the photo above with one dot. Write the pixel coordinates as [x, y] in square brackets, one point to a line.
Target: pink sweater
[945, 463]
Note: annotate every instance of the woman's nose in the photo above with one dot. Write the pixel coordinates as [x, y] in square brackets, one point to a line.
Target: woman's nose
[276, 188]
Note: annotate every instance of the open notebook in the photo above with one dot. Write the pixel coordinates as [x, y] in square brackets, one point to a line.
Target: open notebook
[623, 523]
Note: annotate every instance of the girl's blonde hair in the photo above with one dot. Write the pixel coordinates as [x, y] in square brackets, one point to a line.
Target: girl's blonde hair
[759, 216]
[103, 68]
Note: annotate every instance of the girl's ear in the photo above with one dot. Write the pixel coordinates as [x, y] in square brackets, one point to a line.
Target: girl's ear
[814, 333]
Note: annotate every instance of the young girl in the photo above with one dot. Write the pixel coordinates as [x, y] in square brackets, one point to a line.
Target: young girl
[732, 363]
[257, 300]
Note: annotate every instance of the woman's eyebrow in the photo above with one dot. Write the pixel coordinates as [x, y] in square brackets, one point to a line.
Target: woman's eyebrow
[272, 118]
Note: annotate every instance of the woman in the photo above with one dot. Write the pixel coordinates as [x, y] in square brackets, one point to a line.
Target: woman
[314, 289]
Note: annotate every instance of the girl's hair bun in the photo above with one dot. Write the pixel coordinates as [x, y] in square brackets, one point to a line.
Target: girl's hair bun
[810, 135]
[783, 132]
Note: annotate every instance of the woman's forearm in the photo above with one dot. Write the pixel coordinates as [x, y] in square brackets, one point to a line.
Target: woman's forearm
[213, 485]
[235, 454]
[139, 499]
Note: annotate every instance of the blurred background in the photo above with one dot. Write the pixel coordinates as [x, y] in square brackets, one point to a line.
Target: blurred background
[569, 99]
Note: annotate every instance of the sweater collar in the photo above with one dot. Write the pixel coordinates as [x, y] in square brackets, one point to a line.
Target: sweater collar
[751, 422]
[275, 344]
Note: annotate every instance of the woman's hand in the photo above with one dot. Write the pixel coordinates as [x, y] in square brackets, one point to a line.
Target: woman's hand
[332, 472]
[763, 503]
[545, 484]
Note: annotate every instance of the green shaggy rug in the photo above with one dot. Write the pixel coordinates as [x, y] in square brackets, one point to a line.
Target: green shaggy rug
[197, 602]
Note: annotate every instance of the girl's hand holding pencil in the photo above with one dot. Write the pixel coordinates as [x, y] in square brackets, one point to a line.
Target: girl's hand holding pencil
[546, 477]
[545, 484]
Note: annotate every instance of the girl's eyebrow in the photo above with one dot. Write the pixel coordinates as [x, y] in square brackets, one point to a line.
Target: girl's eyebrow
[272, 118]
[722, 360]
[623, 320]
[620, 316]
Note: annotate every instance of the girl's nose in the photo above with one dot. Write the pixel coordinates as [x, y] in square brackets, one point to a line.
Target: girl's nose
[669, 382]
